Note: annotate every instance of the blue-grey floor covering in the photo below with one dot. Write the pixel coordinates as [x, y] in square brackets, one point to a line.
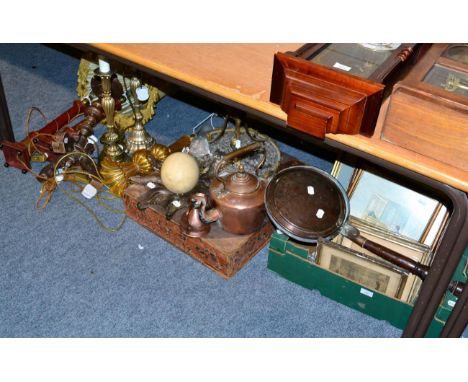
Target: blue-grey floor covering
[61, 275]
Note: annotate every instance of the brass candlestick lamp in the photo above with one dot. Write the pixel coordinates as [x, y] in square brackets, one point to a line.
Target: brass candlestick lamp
[109, 139]
[137, 138]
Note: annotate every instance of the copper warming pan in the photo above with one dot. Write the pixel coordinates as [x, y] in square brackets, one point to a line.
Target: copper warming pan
[309, 204]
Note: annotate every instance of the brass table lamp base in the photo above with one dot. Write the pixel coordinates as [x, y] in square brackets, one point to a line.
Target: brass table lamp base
[111, 148]
[137, 138]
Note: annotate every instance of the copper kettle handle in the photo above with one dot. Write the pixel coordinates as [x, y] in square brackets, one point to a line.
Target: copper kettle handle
[237, 153]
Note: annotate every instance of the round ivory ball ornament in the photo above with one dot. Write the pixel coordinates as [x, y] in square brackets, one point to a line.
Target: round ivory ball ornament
[180, 173]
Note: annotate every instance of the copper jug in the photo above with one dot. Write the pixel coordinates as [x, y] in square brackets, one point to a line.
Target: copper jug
[238, 199]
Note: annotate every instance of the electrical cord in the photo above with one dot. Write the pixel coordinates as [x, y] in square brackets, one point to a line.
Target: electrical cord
[51, 184]
[99, 200]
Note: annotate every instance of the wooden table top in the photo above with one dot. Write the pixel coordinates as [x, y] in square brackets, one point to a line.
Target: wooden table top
[242, 73]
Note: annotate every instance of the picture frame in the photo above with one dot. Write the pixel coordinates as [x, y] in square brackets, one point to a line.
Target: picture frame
[370, 272]
[390, 206]
[418, 243]
[416, 251]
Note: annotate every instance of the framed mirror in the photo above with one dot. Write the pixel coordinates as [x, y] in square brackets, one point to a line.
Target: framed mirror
[390, 206]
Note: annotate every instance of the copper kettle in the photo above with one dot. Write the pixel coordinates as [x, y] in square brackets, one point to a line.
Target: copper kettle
[238, 200]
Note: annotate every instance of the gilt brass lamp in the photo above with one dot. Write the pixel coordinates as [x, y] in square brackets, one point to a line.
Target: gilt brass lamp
[109, 139]
[137, 137]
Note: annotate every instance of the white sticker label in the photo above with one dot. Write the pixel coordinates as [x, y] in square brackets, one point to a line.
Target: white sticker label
[150, 185]
[451, 303]
[320, 213]
[341, 66]
[310, 190]
[104, 66]
[176, 203]
[142, 93]
[237, 144]
[92, 139]
[367, 292]
[89, 191]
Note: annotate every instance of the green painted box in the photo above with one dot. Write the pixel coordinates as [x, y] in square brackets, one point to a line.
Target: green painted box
[295, 262]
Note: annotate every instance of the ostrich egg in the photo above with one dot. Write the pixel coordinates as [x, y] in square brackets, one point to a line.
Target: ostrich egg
[180, 173]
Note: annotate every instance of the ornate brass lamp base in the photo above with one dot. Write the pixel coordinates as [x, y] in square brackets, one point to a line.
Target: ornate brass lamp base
[137, 138]
[111, 149]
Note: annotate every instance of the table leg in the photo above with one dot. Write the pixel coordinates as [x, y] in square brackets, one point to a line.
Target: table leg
[443, 267]
[458, 320]
[446, 257]
[6, 131]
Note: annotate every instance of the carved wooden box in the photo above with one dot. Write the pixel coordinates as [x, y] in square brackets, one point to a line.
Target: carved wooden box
[222, 252]
[335, 88]
[428, 111]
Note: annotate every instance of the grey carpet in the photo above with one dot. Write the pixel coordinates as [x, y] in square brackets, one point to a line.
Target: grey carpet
[61, 275]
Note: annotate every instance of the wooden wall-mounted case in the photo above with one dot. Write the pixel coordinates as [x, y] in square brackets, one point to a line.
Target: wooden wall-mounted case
[335, 88]
[428, 111]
